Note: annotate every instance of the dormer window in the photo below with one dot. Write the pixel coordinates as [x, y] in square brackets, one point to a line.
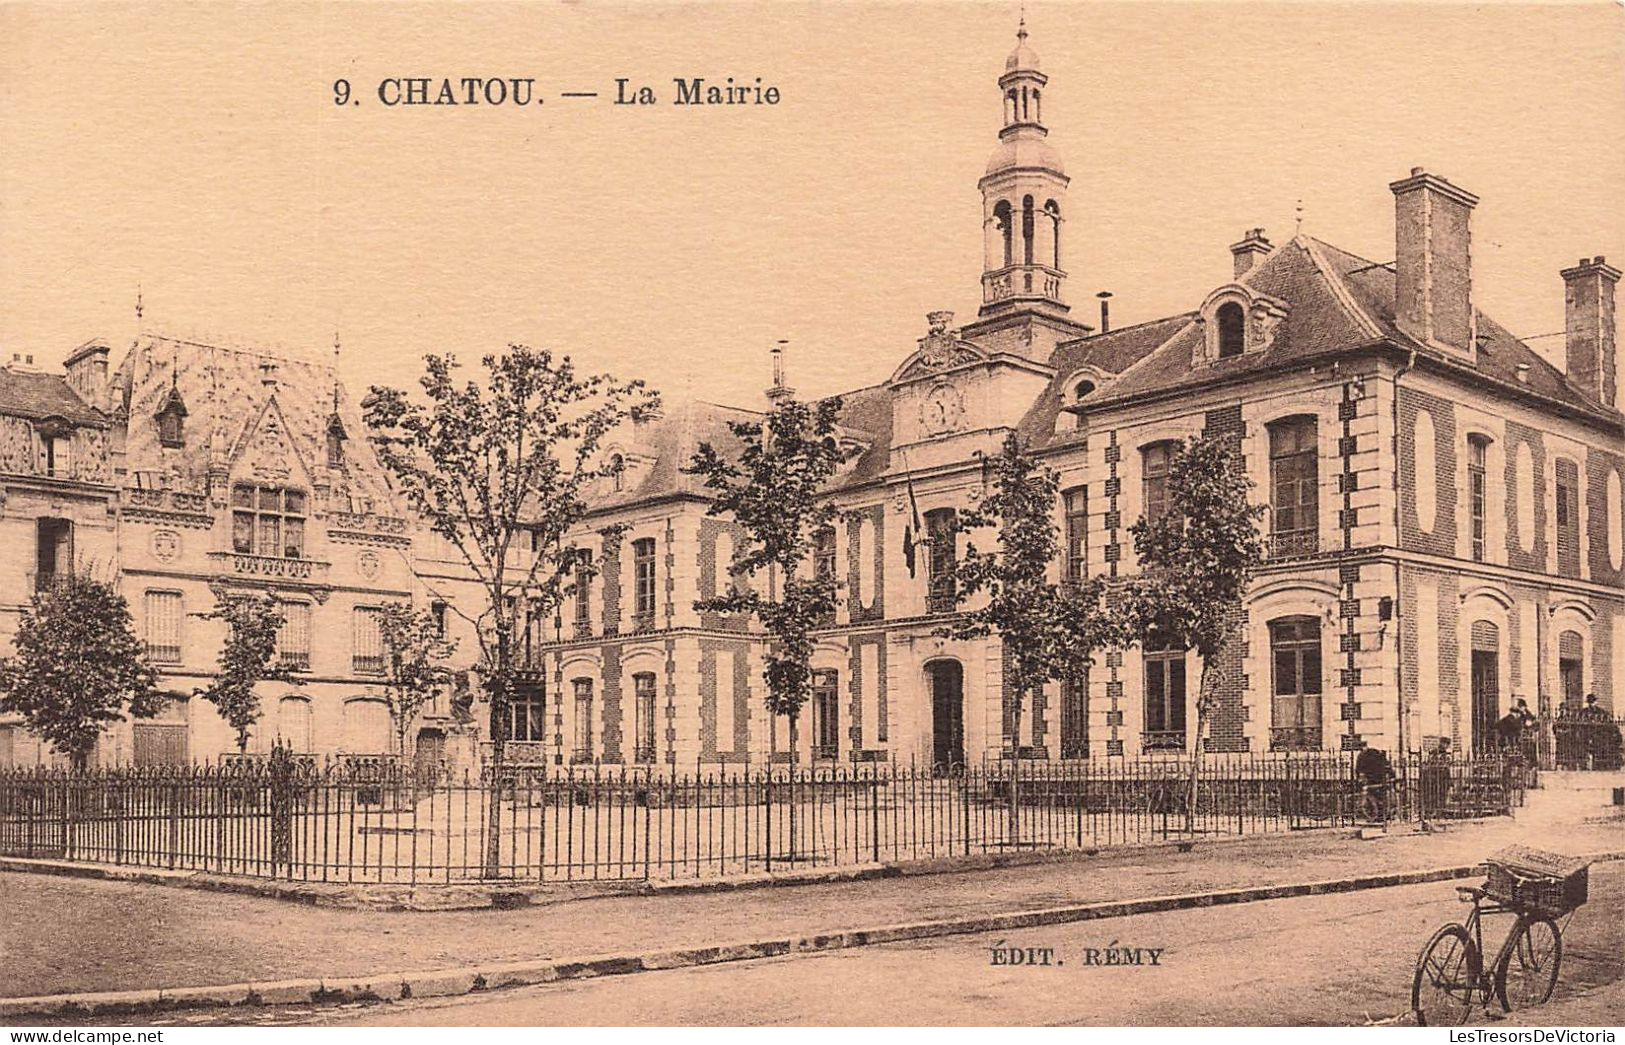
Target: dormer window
[1082, 390]
[1236, 320]
[617, 473]
[171, 418]
[1232, 330]
[336, 435]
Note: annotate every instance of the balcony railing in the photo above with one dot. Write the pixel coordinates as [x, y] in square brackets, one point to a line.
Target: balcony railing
[644, 756]
[367, 664]
[1163, 740]
[941, 599]
[163, 654]
[1295, 738]
[295, 660]
[518, 753]
[826, 752]
[247, 565]
[1288, 544]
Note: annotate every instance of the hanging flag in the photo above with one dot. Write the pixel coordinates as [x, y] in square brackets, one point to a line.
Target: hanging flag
[911, 529]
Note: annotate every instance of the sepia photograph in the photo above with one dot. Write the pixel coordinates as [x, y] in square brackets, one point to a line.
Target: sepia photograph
[699, 514]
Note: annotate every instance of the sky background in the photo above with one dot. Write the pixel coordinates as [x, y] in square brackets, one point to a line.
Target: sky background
[196, 152]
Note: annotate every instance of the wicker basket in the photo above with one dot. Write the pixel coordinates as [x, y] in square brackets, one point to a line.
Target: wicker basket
[1532, 878]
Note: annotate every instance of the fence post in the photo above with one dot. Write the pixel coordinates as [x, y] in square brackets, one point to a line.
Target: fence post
[874, 814]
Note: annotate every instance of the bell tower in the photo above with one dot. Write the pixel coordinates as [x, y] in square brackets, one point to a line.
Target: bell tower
[1023, 198]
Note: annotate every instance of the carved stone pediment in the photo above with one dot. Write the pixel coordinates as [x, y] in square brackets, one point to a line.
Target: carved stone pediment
[940, 349]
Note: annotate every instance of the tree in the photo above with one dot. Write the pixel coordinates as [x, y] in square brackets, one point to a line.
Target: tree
[774, 487]
[78, 667]
[501, 472]
[415, 653]
[247, 658]
[1196, 561]
[1049, 630]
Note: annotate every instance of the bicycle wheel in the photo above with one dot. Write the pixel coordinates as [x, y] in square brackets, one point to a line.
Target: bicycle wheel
[1528, 968]
[1447, 977]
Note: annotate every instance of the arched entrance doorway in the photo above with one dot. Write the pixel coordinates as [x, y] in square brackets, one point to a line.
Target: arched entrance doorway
[1486, 684]
[947, 679]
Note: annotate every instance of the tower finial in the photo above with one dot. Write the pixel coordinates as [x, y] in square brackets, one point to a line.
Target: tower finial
[1021, 25]
[335, 372]
[139, 308]
[779, 390]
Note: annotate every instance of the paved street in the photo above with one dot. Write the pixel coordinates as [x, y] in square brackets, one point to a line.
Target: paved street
[68, 934]
[1343, 959]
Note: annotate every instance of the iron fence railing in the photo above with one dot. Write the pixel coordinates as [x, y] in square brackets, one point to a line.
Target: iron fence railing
[379, 821]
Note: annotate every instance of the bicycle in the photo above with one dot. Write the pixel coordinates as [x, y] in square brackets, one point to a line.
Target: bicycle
[1450, 971]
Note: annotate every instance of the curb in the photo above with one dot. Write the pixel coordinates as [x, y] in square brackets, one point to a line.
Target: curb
[479, 896]
[397, 986]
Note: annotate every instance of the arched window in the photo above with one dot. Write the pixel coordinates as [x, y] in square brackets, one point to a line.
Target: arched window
[1082, 389]
[1155, 460]
[1027, 230]
[293, 724]
[1038, 114]
[643, 701]
[1232, 330]
[1001, 214]
[1052, 210]
[366, 726]
[1010, 113]
[582, 749]
[1477, 486]
[1294, 487]
[1296, 684]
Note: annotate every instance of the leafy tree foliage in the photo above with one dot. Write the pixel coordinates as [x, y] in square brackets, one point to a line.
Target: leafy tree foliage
[500, 470]
[1196, 562]
[415, 654]
[78, 666]
[774, 487]
[1049, 630]
[247, 658]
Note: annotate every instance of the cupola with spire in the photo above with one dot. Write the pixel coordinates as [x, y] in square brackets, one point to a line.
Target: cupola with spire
[1023, 193]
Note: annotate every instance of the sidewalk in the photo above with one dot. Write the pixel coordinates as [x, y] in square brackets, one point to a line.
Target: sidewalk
[67, 935]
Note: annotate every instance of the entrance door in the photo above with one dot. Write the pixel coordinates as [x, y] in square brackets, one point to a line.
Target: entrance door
[431, 752]
[947, 714]
[1486, 700]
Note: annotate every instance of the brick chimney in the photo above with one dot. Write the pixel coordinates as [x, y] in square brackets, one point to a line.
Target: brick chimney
[1433, 278]
[1251, 250]
[87, 373]
[1592, 361]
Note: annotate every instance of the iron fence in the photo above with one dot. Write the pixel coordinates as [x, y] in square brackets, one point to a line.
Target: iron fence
[376, 822]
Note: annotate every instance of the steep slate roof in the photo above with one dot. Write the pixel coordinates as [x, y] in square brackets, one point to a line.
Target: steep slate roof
[1112, 353]
[225, 395]
[38, 396]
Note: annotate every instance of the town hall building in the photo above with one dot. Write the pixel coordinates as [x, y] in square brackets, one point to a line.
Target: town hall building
[1444, 526]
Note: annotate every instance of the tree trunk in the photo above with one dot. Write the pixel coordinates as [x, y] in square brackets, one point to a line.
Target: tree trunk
[794, 717]
[499, 736]
[1014, 828]
[1196, 750]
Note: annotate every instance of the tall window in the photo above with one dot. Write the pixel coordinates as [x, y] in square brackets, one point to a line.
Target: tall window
[826, 715]
[617, 473]
[1154, 463]
[368, 656]
[939, 528]
[1568, 517]
[437, 612]
[1571, 669]
[293, 724]
[53, 551]
[56, 440]
[582, 751]
[1294, 487]
[1077, 534]
[583, 594]
[1004, 219]
[643, 572]
[824, 561]
[293, 638]
[1232, 330]
[268, 520]
[163, 612]
[1052, 211]
[1164, 697]
[1027, 230]
[527, 713]
[1296, 702]
[1477, 446]
[643, 697]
